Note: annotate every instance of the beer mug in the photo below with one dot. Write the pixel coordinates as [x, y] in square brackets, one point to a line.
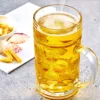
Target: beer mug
[58, 46]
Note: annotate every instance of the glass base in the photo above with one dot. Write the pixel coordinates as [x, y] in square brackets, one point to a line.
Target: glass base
[54, 99]
[69, 95]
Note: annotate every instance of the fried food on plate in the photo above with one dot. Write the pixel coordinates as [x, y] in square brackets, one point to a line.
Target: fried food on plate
[18, 38]
[5, 29]
[15, 56]
[6, 59]
[10, 56]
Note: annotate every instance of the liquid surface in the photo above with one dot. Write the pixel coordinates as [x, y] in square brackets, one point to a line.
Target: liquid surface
[57, 21]
[56, 61]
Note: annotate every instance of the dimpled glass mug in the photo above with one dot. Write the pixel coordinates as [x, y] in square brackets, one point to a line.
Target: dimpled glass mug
[57, 41]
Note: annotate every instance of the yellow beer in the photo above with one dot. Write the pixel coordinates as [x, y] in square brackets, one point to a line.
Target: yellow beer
[57, 43]
[56, 60]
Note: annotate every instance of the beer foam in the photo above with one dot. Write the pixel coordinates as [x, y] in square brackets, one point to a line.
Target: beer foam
[57, 21]
[52, 24]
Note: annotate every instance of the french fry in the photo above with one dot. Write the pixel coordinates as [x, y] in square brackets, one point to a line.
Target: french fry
[10, 56]
[6, 59]
[18, 59]
[5, 29]
[3, 25]
[0, 31]
[6, 53]
[10, 29]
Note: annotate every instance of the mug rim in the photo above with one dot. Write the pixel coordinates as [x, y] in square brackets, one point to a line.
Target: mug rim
[78, 23]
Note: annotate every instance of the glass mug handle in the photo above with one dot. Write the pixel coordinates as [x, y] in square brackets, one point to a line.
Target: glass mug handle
[94, 65]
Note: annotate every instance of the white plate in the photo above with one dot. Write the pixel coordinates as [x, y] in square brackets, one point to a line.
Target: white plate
[24, 20]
